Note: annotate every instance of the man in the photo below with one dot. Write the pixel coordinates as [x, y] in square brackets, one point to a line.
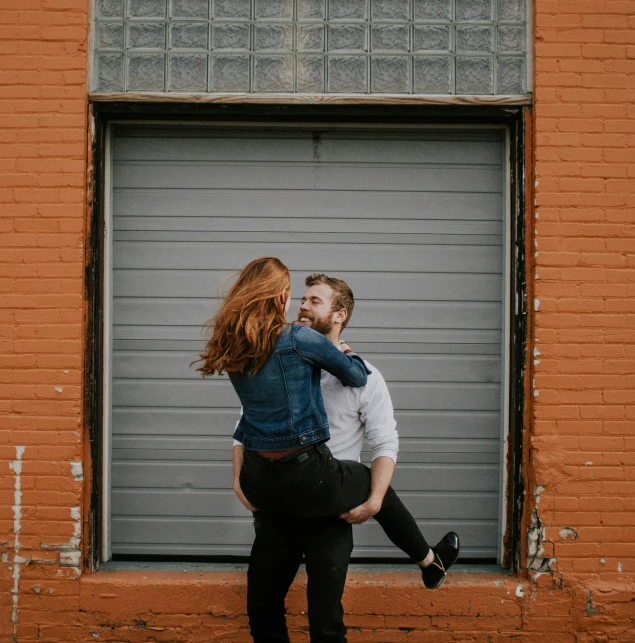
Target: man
[326, 542]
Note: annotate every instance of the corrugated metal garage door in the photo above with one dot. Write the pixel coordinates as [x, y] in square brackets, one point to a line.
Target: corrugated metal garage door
[411, 219]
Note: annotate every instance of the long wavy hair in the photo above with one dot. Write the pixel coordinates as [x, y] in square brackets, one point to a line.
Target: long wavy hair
[241, 337]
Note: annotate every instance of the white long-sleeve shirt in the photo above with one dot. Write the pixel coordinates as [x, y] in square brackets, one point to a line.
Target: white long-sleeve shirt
[357, 412]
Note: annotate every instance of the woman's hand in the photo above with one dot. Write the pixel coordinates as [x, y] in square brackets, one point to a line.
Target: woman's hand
[241, 496]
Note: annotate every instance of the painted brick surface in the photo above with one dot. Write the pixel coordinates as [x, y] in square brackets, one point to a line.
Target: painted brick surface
[579, 579]
[42, 199]
[581, 457]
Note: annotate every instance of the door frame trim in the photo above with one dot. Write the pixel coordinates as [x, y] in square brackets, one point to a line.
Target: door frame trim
[98, 285]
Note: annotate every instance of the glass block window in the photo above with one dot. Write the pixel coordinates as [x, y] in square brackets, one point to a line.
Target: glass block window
[463, 47]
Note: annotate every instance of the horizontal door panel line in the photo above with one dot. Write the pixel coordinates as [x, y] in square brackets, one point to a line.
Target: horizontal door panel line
[189, 409]
[205, 410]
[304, 191]
[310, 165]
[401, 273]
[385, 243]
[453, 381]
[159, 491]
[402, 466]
[330, 242]
[213, 301]
[248, 520]
[121, 218]
[397, 329]
[225, 383]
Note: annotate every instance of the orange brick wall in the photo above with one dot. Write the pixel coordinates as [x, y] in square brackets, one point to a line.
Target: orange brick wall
[583, 437]
[580, 469]
[43, 45]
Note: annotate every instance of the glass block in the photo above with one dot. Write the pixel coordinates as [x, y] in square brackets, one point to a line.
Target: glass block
[109, 72]
[433, 75]
[390, 9]
[146, 35]
[146, 8]
[310, 38]
[273, 73]
[236, 9]
[190, 9]
[231, 36]
[310, 74]
[109, 35]
[273, 37]
[347, 37]
[311, 9]
[474, 76]
[187, 73]
[511, 76]
[389, 74]
[188, 35]
[109, 8]
[433, 9]
[511, 39]
[348, 9]
[511, 10]
[347, 74]
[469, 10]
[146, 72]
[390, 37]
[475, 39]
[230, 73]
[274, 9]
[432, 38]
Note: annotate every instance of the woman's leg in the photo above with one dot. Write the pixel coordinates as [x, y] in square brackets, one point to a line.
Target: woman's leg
[314, 483]
[394, 518]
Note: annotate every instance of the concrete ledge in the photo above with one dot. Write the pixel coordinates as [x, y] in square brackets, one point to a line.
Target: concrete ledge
[221, 591]
[194, 603]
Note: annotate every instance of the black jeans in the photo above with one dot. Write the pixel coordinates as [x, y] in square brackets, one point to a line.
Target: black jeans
[280, 543]
[311, 482]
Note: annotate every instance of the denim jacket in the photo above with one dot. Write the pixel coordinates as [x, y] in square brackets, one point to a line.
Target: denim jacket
[282, 402]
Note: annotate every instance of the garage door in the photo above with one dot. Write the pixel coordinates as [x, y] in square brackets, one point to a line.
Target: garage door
[411, 219]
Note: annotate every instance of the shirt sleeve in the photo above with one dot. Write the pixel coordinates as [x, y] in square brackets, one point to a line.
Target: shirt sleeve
[350, 369]
[238, 443]
[377, 414]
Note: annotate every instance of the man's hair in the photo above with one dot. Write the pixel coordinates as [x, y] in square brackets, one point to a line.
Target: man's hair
[342, 294]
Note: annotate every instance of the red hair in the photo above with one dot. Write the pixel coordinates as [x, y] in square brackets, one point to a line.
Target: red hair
[241, 337]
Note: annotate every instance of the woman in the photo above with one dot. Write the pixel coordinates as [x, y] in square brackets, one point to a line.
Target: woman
[275, 370]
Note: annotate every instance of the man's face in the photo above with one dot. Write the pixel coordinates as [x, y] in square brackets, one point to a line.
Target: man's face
[315, 308]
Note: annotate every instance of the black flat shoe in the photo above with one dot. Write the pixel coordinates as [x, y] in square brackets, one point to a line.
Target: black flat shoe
[446, 551]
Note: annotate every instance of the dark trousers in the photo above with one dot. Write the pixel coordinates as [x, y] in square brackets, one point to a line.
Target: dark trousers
[313, 483]
[279, 545]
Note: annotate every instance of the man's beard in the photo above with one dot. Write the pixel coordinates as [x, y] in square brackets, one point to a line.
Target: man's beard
[322, 325]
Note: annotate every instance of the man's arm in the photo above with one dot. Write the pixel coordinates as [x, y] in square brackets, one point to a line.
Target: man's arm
[237, 462]
[376, 412]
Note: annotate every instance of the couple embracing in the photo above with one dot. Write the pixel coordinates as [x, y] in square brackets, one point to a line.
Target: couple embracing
[300, 387]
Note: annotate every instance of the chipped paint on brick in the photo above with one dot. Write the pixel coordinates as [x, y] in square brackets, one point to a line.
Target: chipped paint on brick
[536, 536]
[70, 551]
[77, 470]
[18, 561]
[567, 532]
[590, 610]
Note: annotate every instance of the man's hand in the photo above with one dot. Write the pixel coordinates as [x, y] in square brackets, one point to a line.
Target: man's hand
[241, 496]
[362, 513]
